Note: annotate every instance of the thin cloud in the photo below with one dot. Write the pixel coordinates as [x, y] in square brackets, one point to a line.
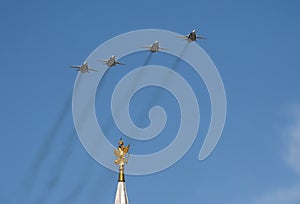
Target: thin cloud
[292, 155]
[288, 195]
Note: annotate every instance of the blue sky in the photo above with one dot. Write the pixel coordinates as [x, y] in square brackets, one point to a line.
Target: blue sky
[255, 47]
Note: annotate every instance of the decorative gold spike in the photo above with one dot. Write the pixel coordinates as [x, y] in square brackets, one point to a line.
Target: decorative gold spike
[122, 158]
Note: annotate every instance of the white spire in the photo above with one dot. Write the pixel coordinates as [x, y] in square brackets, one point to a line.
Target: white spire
[121, 195]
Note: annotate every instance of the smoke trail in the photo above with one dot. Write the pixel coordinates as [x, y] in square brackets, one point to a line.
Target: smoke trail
[50, 138]
[34, 170]
[103, 184]
[157, 94]
[167, 79]
[104, 179]
[58, 167]
[29, 183]
[148, 59]
[104, 75]
[174, 66]
[107, 124]
[60, 163]
[76, 192]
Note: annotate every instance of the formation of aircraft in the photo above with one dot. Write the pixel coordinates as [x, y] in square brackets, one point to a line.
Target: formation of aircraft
[153, 48]
[111, 61]
[83, 68]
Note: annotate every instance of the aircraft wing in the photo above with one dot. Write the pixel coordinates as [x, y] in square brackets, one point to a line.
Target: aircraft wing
[93, 69]
[183, 36]
[201, 37]
[102, 61]
[162, 48]
[146, 47]
[119, 63]
[78, 67]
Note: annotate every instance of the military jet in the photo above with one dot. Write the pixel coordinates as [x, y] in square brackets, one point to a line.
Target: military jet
[111, 61]
[83, 68]
[155, 47]
[192, 36]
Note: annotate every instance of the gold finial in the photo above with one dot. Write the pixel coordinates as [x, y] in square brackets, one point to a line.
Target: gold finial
[122, 158]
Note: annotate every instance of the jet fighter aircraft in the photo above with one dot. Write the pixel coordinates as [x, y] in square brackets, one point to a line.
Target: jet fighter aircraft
[155, 47]
[192, 36]
[83, 68]
[111, 61]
